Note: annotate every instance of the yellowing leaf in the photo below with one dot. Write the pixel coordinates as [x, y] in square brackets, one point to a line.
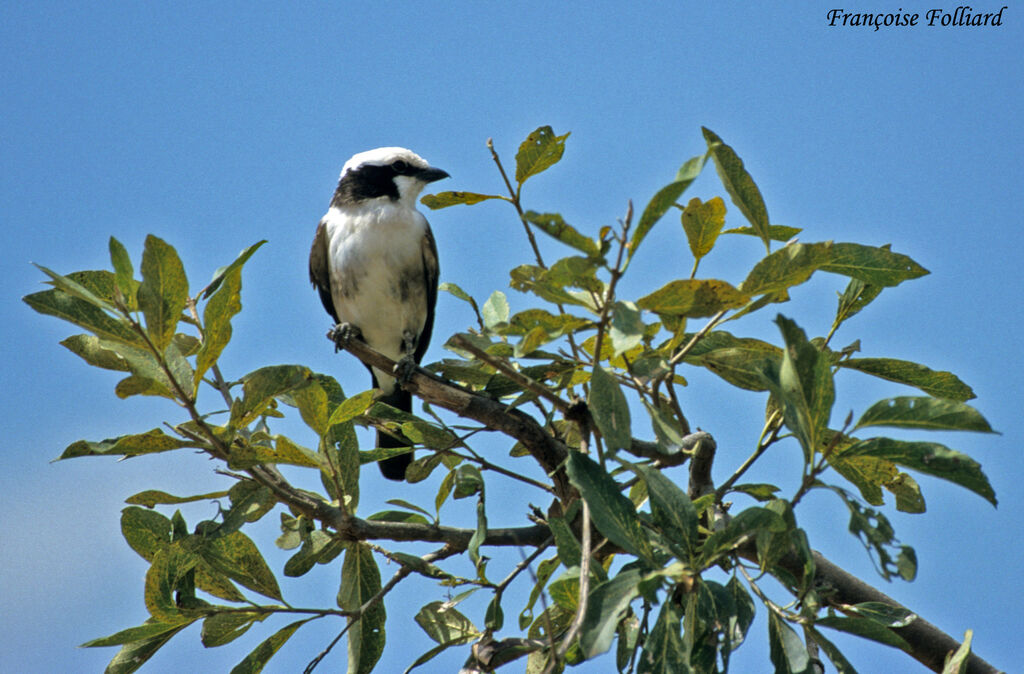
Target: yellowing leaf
[703, 221]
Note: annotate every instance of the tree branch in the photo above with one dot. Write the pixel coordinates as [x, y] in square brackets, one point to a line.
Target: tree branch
[547, 450]
[929, 645]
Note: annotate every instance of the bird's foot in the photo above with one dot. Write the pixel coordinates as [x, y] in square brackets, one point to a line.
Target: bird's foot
[406, 365]
[343, 333]
[404, 368]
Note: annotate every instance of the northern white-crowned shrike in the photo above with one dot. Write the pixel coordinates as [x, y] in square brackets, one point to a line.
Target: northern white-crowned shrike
[374, 262]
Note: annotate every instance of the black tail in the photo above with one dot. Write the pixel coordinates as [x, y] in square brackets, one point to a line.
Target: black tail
[394, 468]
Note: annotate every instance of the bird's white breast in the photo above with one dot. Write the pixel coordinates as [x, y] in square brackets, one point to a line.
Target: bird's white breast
[375, 253]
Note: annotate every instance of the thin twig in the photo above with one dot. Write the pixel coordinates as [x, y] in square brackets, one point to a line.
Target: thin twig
[510, 372]
[615, 273]
[515, 202]
[773, 426]
[514, 194]
[581, 608]
[679, 355]
[442, 553]
[487, 465]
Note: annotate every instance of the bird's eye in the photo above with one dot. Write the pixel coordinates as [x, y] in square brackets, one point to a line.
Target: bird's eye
[400, 167]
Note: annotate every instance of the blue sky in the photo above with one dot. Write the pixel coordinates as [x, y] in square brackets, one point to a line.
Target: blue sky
[214, 125]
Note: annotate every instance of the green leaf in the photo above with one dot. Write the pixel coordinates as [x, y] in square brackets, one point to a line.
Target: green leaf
[664, 652]
[148, 630]
[869, 474]
[554, 226]
[747, 525]
[607, 604]
[609, 409]
[612, 513]
[398, 515]
[569, 551]
[221, 273]
[702, 222]
[837, 658]
[444, 623]
[673, 513]
[907, 492]
[629, 634]
[262, 385]
[804, 384]
[738, 183]
[236, 556]
[360, 580]
[495, 310]
[223, 628]
[550, 284]
[135, 654]
[666, 429]
[468, 481]
[494, 618]
[222, 306]
[351, 408]
[876, 266]
[739, 361]
[163, 292]
[693, 298]
[856, 296]
[935, 383]
[246, 455]
[627, 329]
[789, 266]
[709, 606]
[148, 375]
[257, 659]
[775, 232]
[664, 199]
[876, 533]
[554, 325]
[863, 627]
[124, 272]
[73, 288]
[787, 650]
[739, 623]
[146, 531]
[541, 150]
[250, 501]
[544, 570]
[793, 264]
[69, 308]
[318, 548]
[759, 491]
[169, 566]
[91, 351]
[888, 615]
[446, 199]
[958, 662]
[127, 445]
[565, 590]
[437, 650]
[934, 414]
[153, 497]
[932, 459]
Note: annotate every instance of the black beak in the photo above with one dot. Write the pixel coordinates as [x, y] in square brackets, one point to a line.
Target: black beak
[429, 175]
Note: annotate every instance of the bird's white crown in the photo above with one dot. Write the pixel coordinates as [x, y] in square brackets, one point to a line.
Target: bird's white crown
[382, 156]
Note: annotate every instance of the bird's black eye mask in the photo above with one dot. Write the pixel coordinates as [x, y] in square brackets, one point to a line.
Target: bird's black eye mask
[371, 181]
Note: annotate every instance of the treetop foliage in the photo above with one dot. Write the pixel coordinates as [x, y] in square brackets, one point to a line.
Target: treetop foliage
[583, 386]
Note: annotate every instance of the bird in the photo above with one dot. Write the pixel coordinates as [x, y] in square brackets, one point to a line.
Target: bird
[374, 263]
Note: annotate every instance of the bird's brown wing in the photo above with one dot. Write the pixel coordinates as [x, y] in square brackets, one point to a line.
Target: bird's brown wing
[430, 277]
[320, 271]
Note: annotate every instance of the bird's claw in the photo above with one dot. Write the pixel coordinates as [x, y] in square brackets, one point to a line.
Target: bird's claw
[341, 334]
[404, 369]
